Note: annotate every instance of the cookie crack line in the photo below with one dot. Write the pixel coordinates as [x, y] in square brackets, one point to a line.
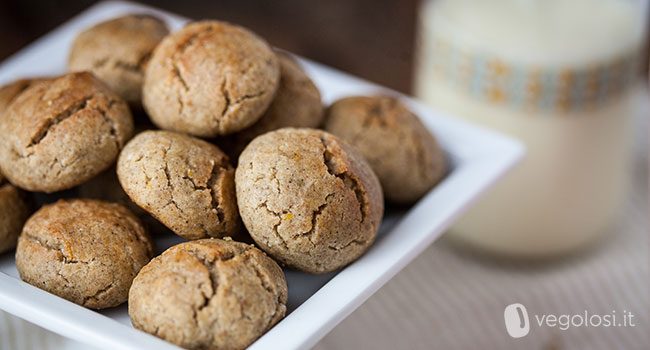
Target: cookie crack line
[134, 68]
[60, 117]
[348, 180]
[122, 64]
[249, 96]
[240, 302]
[229, 100]
[275, 227]
[226, 95]
[99, 63]
[177, 73]
[97, 294]
[353, 184]
[265, 284]
[218, 170]
[315, 214]
[110, 123]
[377, 112]
[67, 281]
[214, 284]
[179, 76]
[61, 254]
[212, 273]
[126, 66]
[169, 180]
[214, 199]
[180, 50]
[354, 241]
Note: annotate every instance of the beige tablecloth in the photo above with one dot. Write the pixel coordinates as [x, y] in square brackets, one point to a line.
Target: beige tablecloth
[450, 299]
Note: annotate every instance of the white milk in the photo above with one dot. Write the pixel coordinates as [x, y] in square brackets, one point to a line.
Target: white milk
[557, 74]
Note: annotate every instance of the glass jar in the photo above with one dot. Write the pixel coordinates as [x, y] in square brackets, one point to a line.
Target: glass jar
[558, 75]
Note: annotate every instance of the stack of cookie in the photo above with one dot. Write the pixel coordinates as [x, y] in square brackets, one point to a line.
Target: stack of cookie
[226, 148]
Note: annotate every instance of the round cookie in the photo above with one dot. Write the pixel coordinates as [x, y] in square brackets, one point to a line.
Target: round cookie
[297, 103]
[403, 153]
[83, 250]
[10, 91]
[210, 78]
[308, 199]
[117, 52]
[184, 182]
[57, 135]
[209, 294]
[14, 210]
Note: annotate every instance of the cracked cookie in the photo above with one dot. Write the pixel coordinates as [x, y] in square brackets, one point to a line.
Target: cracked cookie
[210, 78]
[209, 294]
[10, 91]
[403, 153]
[308, 198]
[117, 52]
[297, 103]
[59, 134]
[83, 250]
[14, 210]
[184, 182]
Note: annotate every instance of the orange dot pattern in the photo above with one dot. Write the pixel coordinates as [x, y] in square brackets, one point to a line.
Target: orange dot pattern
[549, 89]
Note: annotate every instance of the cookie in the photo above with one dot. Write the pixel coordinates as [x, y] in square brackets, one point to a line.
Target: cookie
[85, 251]
[10, 91]
[308, 199]
[209, 294]
[184, 182]
[117, 52]
[403, 153]
[14, 210]
[210, 78]
[59, 134]
[297, 103]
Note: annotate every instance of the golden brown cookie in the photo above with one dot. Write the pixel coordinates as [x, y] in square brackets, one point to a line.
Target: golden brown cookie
[296, 104]
[14, 210]
[210, 78]
[83, 250]
[117, 52]
[403, 153]
[184, 182]
[58, 134]
[209, 294]
[308, 199]
[10, 91]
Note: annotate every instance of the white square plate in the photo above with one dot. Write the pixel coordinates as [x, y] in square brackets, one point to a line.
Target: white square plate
[316, 303]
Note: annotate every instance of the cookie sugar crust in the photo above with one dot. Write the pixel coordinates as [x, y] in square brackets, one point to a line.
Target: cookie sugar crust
[210, 78]
[209, 294]
[85, 251]
[184, 182]
[308, 199]
[59, 134]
